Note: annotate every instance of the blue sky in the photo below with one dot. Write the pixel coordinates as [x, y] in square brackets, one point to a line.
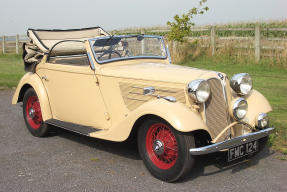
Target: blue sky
[20, 15]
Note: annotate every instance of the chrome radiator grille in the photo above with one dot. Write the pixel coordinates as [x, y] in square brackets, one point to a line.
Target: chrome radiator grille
[216, 111]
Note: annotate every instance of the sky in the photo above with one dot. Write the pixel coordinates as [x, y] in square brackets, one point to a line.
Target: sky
[17, 15]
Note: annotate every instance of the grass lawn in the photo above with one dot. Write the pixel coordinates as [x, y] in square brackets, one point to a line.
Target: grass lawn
[11, 70]
[270, 81]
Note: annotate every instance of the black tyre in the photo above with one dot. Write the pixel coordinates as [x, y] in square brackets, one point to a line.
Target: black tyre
[165, 151]
[33, 115]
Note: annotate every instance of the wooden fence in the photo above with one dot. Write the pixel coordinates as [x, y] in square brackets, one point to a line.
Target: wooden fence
[261, 45]
[257, 43]
[12, 44]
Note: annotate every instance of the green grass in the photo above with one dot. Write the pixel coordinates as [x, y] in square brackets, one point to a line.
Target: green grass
[270, 81]
[11, 70]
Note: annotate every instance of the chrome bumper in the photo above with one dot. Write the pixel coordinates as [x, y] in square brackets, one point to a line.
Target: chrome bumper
[231, 143]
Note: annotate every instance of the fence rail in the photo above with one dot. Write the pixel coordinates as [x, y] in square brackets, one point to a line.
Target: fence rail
[257, 40]
[12, 44]
[208, 38]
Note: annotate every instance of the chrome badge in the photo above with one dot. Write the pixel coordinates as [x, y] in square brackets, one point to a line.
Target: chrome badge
[220, 76]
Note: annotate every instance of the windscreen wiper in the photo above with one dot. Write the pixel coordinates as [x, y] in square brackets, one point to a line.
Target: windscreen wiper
[111, 37]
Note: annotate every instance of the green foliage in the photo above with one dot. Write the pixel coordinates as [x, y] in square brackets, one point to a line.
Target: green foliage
[181, 26]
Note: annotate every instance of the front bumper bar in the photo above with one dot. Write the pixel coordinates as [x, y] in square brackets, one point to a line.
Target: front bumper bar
[232, 142]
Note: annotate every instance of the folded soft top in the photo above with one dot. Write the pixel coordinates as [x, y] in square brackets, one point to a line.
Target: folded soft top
[42, 40]
[45, 39]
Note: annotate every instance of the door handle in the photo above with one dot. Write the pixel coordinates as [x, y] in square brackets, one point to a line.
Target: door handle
[44, 78]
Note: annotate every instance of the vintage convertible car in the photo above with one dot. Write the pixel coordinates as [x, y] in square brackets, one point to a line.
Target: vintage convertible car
[116, 87]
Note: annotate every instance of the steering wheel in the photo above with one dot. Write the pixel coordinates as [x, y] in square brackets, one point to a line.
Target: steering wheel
[110, 52]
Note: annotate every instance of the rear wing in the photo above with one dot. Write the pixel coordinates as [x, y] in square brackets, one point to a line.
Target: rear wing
[42, 40]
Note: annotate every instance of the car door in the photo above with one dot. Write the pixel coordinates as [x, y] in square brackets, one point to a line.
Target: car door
[74, 93]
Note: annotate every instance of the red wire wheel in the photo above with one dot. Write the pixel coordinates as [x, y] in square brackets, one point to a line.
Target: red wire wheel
[33, 112]
[161, 146]
[33, 115]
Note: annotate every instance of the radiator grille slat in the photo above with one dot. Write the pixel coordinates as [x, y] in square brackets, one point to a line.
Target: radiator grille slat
[216, 110]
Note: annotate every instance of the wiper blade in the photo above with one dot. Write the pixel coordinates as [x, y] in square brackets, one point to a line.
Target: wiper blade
[111, 37]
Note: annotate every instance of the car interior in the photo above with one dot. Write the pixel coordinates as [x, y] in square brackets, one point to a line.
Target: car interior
[76, 60]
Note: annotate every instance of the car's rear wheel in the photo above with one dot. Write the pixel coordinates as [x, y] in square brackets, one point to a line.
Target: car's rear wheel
[33, 115]
[165, 151]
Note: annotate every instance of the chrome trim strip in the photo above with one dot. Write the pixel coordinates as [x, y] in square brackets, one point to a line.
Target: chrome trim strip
[204, 112]
[223, 83]
[170, 99]
[91, 61]
[134, 93]
[137, 99]
[232, 142]
[162, 90]
[168, 54]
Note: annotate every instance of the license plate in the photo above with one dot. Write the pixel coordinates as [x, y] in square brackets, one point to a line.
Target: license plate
[242, 150]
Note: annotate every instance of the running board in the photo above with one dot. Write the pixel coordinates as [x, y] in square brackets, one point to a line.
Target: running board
[81, 129]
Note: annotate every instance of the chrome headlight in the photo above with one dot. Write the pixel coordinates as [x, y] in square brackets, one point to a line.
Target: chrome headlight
[240, 108]
[241, 83]
[199, 90]
[262, 121]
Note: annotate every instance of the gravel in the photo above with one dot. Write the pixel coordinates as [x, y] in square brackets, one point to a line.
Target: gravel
[66, 161]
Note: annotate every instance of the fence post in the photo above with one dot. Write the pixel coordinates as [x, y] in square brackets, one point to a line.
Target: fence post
[17, 44]
[174, 47]
[213, 40]
[142, 42]
[3, 44]
[257, 43]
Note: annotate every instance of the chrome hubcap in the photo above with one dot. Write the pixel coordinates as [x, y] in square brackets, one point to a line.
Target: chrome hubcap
[158, 147]
[32, 113]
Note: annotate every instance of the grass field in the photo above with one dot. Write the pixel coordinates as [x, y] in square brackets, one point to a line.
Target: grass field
[271, 81]
[11, 70]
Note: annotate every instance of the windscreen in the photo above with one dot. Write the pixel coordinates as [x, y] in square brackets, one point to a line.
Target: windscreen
[115, 48]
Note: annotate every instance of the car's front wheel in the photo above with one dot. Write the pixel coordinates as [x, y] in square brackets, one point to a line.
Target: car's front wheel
[33, 115]
[165, 151]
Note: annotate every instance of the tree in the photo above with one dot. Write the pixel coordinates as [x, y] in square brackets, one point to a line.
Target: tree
[181, 26]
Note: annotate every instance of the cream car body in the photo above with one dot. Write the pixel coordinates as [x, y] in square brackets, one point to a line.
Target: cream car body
[110, 99]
